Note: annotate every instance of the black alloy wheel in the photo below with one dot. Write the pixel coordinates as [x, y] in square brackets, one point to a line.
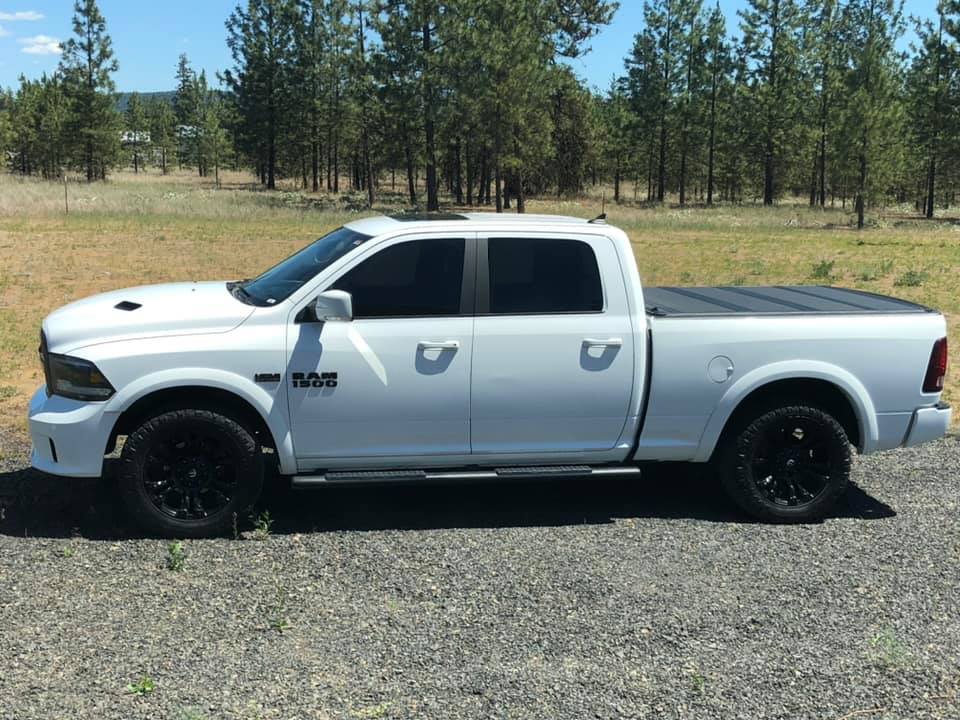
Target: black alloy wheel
[189, 472]
[790, 463]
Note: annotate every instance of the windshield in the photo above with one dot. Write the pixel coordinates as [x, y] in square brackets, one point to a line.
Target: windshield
[283, 279]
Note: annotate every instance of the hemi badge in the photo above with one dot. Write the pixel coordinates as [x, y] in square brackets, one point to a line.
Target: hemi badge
[267, 377]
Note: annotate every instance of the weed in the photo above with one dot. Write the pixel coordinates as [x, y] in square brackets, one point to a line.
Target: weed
[371, 711]
[175, 556]
[144, 686]
[823, 270]
[262, 523]
[699, 683]
[887, 649]
[911, 278]
[69, 551]
[277, 616]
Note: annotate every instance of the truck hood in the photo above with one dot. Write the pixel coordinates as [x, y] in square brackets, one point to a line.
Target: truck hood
[190, 308]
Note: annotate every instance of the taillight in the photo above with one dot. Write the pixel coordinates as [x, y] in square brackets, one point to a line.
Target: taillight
[937, 367]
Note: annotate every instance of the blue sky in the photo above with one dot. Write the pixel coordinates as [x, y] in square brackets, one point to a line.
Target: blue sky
[149, 36]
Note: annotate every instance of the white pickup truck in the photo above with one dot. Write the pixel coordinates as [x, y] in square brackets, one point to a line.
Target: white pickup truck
[477, 346]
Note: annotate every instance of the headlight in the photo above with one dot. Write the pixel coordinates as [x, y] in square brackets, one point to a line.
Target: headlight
[76, 378]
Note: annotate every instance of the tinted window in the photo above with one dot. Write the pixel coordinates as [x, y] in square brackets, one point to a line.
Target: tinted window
[422, 277]
[534, 275]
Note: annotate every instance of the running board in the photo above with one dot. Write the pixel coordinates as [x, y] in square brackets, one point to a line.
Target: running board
[376, 476]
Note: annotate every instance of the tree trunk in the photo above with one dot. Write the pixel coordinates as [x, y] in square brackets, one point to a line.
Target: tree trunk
[411, 183]
[931, 186]
[468, 160]
[861, 187]
[433, 202]
[711, 143]
[662, 163]
[774, 81]
[458, 172]
[616, 181]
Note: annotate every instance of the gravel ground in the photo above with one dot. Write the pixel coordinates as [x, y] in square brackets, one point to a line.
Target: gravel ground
[569, 599]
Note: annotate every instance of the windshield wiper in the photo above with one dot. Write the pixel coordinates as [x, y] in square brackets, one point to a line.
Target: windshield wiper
[237, 290]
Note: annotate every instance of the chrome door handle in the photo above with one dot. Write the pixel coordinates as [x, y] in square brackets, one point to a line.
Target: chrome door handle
[438, 345]
[609, 342]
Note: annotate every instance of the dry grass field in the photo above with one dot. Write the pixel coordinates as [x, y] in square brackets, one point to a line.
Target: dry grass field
[147, 229]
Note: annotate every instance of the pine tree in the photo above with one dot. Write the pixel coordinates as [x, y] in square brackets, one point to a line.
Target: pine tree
[771, 38]
[718, 64]
[86, 66]
[137, 133]
[932, 76]
[162, 123]
[186, 108]
[874, 111]
[260, 39]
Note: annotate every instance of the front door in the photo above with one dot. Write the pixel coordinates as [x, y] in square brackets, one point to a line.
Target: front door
[394, 381]
[553, 357]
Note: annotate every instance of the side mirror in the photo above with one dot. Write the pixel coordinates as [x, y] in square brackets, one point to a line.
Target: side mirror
[333, 305]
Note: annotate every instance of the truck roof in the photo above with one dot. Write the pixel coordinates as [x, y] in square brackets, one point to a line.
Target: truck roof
[379, 224]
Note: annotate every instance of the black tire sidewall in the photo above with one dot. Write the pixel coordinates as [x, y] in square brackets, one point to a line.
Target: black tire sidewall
[146, 515]
[737, 474]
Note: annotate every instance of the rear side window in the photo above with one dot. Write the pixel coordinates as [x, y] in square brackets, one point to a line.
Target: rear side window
[542, 275]
[419, 278]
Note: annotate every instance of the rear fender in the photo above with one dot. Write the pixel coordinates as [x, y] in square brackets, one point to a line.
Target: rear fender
[791, 370]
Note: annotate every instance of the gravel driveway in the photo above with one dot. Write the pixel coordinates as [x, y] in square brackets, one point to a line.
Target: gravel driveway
[561, 599]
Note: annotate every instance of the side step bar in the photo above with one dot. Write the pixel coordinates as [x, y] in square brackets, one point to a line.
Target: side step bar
[376, 476]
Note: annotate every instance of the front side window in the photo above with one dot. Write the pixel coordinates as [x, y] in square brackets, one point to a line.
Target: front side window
[543, 275]
[412, 279]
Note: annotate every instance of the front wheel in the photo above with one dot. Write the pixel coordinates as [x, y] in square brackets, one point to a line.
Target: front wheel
[187, 473]
[788, 464]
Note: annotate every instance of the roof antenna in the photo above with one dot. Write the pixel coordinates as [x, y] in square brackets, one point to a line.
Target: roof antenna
[602, 217]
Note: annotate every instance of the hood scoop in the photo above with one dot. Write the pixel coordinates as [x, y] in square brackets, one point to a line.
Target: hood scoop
[127, 305]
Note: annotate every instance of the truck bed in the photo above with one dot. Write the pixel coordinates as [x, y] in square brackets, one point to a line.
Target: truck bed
[771, 300]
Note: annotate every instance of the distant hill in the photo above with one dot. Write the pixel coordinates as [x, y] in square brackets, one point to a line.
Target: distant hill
[124, 97]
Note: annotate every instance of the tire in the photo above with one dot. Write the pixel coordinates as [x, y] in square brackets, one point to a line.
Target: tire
[186, 473]
[787, 464]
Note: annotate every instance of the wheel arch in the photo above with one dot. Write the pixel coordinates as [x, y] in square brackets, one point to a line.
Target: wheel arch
[259, 414]
[832, 389]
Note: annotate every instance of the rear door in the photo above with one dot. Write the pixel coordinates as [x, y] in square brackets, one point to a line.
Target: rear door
[553, 356]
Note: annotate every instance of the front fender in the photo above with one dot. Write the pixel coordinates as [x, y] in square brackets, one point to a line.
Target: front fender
[271, 407]
[854, 390]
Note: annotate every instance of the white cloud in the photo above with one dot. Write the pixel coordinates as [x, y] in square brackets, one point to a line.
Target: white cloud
[23, 15]
[3, 32]
[40, 45]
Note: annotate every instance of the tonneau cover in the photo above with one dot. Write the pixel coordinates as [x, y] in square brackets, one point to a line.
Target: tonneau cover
[771, 300]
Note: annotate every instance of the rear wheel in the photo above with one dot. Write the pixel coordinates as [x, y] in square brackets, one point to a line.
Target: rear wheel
[789, 463]
[186, 473]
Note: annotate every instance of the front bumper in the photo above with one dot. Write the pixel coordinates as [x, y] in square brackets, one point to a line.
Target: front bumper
[69, 436]
[928, 424]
